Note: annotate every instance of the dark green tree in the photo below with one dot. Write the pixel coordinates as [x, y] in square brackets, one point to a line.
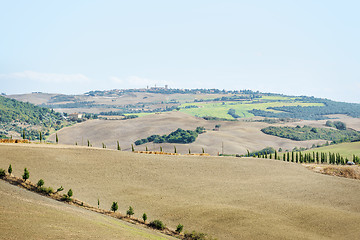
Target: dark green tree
[70, 193]
[98, 203]
[130, 211]
[40, 183]
[26, 174]
[175, 149]
[118, 146]
[56, 139]
[144, 217]
[132, 147]
[10, 169]
[179, 228]
[114, 206]
[40, 136]
[23, 134]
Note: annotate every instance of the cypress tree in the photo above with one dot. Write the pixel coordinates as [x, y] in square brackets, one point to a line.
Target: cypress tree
[56, 139]
[288, 156]
[292, 156]
[23, 134]
[26, 174]
[132, 148]
[248, 153]
[88, 143]
[146, 148]
[276, 155]
[175, 149]
[118, 146]
[10, 169]
[203, 150]
[40, 136]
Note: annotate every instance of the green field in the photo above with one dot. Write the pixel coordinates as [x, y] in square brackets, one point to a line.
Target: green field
[220, 109]
[344, 149]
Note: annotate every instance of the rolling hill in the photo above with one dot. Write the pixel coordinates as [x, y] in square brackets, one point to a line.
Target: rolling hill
[26, 215]
[231, 138]
[229, 198]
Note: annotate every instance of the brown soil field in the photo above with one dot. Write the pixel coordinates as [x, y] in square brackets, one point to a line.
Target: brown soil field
[27, 215]
[237, 136]
[227, 197]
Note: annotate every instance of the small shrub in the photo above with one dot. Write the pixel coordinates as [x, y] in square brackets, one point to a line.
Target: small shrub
[60, 189]
[157, 224]
[48, 190]
[40, 183]
[179, 228]
[2, 173]
[196, 236]
[10, 169]
[70, 193]
[66, 198]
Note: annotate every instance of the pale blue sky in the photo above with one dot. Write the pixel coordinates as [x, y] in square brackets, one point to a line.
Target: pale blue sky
[291, 47]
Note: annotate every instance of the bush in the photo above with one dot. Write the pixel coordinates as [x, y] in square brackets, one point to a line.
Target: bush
[157, 224]
[196, 236]
[40, 183]
[66, 198]
[2, 173]
[47, 190]
[179, 228]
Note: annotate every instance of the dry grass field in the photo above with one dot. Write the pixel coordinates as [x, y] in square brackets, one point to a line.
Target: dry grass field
[237, 136]
[227, 197]
[27, 215]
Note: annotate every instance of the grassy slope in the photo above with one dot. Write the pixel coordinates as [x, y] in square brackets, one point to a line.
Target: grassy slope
[220, 110]
[345, 149]
[26, 215]
[230, 198]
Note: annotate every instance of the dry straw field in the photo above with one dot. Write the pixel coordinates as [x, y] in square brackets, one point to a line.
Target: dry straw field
[236, 137]
[229, 198]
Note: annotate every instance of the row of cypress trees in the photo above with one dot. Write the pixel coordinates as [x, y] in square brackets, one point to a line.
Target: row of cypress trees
[314, 157]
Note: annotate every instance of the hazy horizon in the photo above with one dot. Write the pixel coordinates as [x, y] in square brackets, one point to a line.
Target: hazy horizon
[292, 48]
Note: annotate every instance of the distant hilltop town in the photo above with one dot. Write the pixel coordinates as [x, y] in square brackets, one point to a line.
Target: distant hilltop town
[167, 90]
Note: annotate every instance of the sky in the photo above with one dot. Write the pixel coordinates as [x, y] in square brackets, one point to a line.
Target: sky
[290, 47]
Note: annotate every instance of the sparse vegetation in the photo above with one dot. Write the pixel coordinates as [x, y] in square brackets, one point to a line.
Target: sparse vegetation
[2, 173]
[157, 224]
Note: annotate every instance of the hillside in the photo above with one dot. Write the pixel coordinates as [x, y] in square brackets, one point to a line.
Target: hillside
[232, 136]
[26, 215]
[17, 116]
[212, 103]
[229, 198]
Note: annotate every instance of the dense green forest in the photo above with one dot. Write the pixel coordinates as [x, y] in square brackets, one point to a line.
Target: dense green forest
[311, 113]
[19, 116]
[309, 133]
[178, 136]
